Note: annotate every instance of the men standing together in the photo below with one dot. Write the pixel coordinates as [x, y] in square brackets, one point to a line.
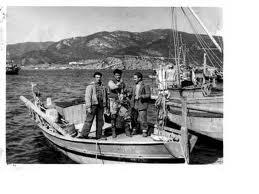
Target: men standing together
[123, 105]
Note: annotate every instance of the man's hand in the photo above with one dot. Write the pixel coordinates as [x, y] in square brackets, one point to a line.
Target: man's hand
[106, 111]
[89, 110]
[119, 84]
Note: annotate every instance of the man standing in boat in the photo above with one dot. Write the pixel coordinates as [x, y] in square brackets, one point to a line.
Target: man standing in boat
[141, 96]
[96, 102]
[118, 102]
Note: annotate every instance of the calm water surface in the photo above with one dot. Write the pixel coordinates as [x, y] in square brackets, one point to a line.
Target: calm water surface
[26, 144]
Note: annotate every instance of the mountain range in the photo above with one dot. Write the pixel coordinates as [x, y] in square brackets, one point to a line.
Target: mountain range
[152, 43]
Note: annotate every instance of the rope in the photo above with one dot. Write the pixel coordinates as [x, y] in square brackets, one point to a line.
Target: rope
[97, 146]
[203, 43]
[211, 53]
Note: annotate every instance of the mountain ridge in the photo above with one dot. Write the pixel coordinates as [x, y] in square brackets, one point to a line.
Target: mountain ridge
[105, 44]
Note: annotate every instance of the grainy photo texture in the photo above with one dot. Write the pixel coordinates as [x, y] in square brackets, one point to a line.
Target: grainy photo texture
[114, 85]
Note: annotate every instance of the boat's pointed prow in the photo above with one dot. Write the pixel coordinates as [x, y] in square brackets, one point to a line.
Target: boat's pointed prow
[35, 109]
[174, 148]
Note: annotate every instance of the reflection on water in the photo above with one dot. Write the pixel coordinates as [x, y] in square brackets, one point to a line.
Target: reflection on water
[24, 141]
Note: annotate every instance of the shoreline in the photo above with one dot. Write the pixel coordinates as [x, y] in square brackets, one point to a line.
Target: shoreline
[33, 69]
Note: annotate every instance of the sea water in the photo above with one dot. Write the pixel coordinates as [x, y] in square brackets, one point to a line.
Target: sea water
[24, 141]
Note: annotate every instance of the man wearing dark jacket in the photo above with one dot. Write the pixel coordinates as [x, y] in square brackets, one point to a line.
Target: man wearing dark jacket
[141, 96]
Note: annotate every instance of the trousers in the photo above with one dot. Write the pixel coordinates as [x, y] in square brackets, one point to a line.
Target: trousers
[97, 111]
[140, 117]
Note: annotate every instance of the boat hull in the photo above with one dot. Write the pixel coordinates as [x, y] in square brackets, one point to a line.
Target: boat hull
[113, 150]
[200, 121]
[205, 125]
[103, 152]
[12, 71]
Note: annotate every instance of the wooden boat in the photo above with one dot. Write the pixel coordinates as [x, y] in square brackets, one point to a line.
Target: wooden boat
[119, 150]
[204, 100]
[11, 68]
[204, 116]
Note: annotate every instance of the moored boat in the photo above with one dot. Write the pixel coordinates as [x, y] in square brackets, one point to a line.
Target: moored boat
[199, 89]
[11, 68]
[153, 149]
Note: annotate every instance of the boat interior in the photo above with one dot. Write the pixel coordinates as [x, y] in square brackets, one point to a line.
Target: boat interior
[75, 112]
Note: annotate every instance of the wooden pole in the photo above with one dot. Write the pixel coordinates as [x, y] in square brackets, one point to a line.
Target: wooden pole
[30, 105]
[185, 140]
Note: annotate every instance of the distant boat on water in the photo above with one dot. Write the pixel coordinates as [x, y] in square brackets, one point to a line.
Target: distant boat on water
[11, 67]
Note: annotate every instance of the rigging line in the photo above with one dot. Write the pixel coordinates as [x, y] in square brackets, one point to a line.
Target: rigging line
[209, 58]
[175, 35]
[173, 52]
[177, 39]
[204, 27]
[192, 55]
[212, 53]
[197, 36]
[170, 37]
[188, 58]
[182, 47]
[199, 39]
[194, 61]
[175, 42]
[172, 9]
[194, 29]
[205, 50]
[174, 19]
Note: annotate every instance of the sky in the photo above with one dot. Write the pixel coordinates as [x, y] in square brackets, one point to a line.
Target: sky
[40, 24]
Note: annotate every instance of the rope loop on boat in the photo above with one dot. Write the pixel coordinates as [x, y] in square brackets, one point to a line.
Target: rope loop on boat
[206, 89]
[97, 147]
[160, 105]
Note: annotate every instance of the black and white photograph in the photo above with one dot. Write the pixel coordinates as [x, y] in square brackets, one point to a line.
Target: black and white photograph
[114, 85]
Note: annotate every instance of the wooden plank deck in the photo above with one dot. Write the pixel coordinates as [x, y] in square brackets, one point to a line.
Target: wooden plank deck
[121, 136]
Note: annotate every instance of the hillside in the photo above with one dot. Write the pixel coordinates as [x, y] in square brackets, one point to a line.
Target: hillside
[106, 44]
[17, 50]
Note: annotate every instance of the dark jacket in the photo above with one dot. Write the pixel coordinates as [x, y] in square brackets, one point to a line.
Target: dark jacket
[144, 97]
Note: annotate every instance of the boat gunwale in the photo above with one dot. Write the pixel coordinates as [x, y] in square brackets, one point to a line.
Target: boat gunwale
[93, 141]
[192, 114]
[115, 155]
[121, 158]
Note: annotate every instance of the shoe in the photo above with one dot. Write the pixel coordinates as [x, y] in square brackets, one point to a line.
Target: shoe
[81, 137]
[114, 133]
[134, 132]
[114, 136]
[102, 138]
[128, 134]
[144, 134]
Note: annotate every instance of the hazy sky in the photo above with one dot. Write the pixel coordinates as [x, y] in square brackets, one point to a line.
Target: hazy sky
[55, 23]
